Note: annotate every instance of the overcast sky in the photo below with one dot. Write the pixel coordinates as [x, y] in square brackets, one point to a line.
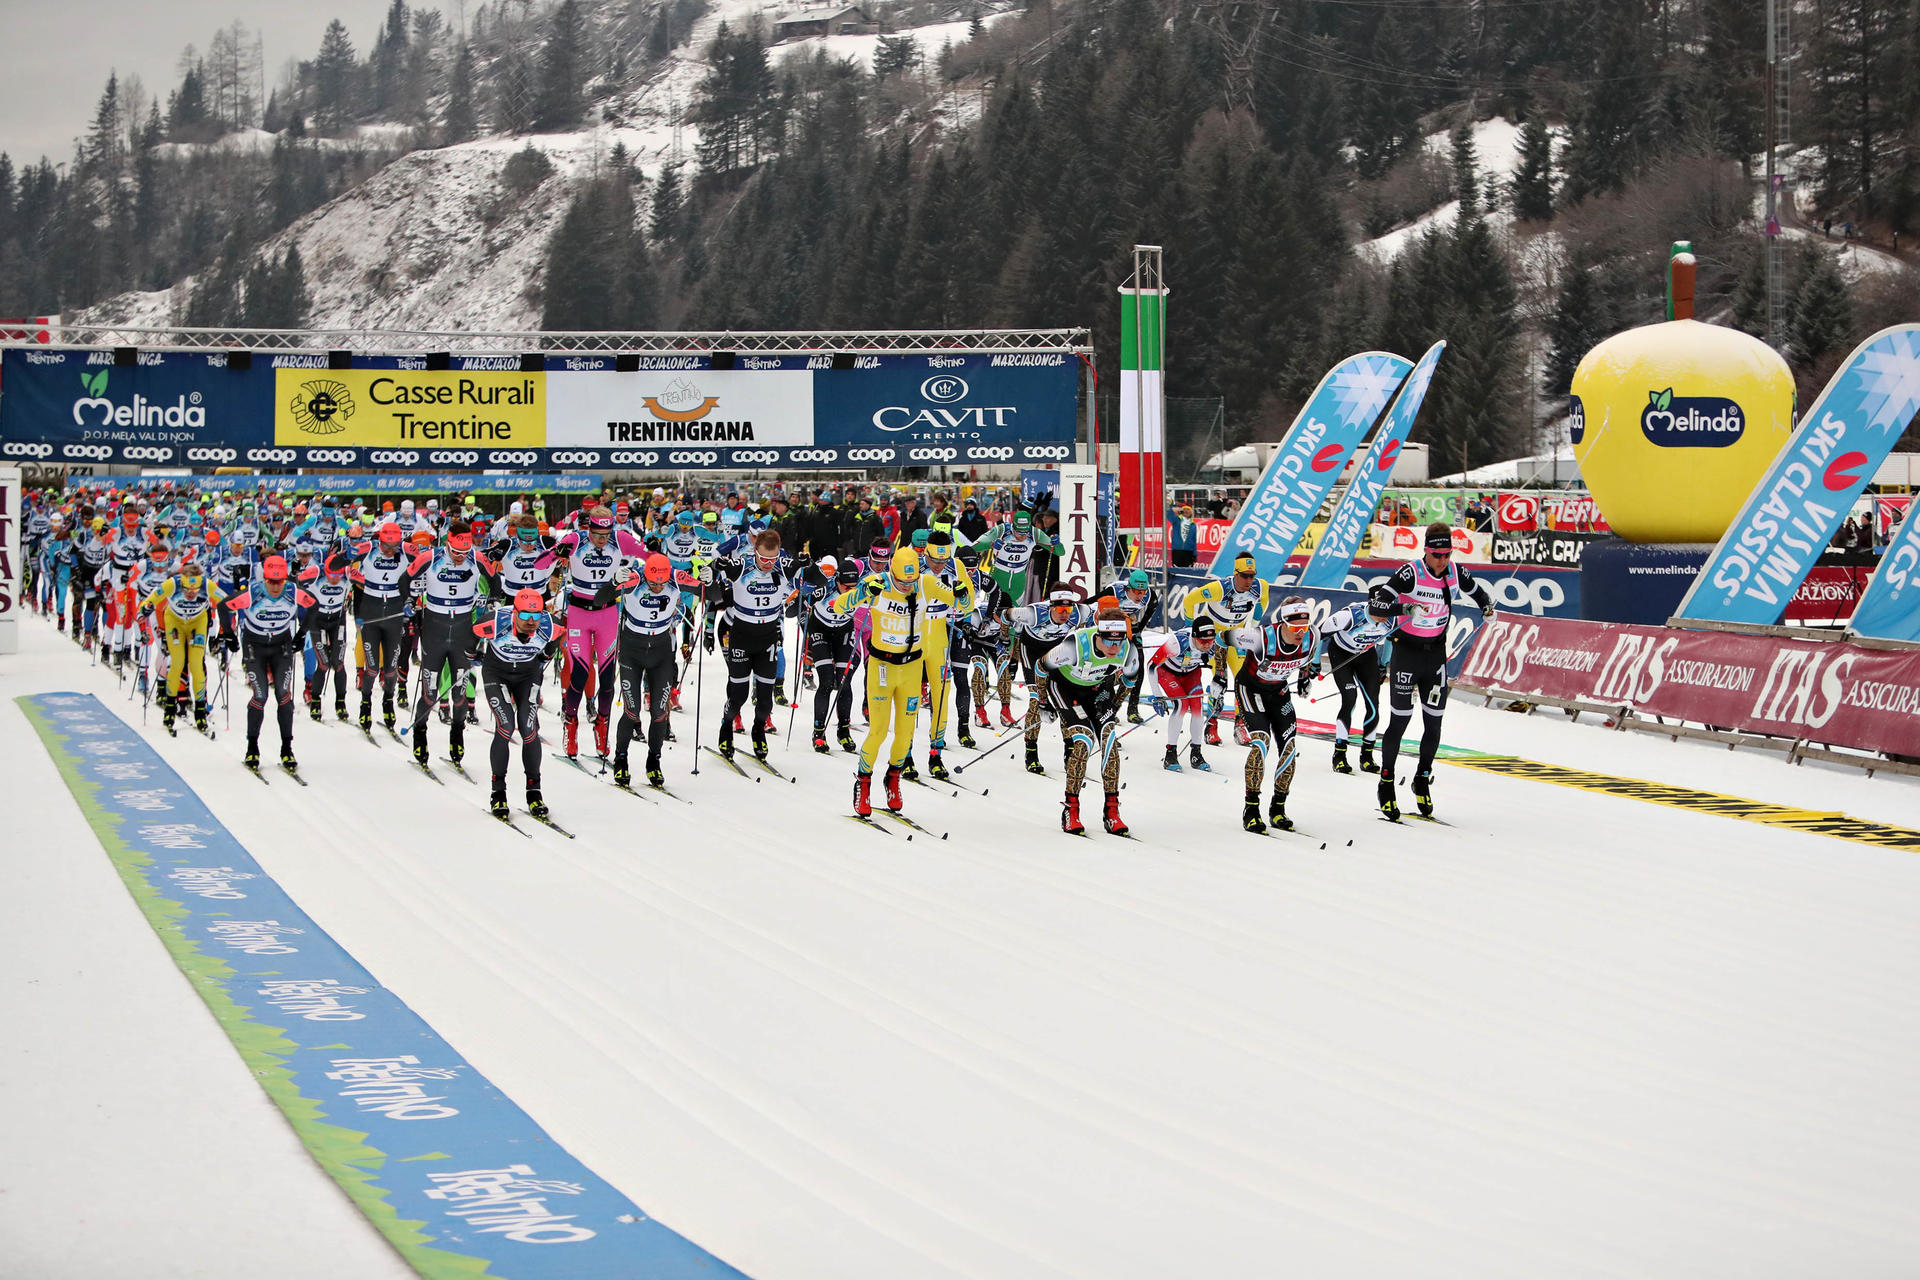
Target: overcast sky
[55, 54]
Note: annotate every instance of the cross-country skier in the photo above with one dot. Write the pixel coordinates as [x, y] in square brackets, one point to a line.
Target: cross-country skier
[1012, 544]
[649, 609]
[1179, 666]
[1037, 628]
[1353, 637]
[974, 639]
[831, 656]
[1083, 679]
[515, 643]
[382, 574]
[1275, 657]
[267, 618]
[1418, 668]
[1137, 600]
[1235, 602]
[598, 559]
[326, 628]
[182, 607]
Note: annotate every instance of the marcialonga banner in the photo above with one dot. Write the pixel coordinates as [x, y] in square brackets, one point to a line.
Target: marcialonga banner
[407, 408]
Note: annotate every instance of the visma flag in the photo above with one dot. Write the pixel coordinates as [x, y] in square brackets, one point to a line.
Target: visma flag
[1791, 516]
[1348, 524]
[1308, 461]
[1890, 610]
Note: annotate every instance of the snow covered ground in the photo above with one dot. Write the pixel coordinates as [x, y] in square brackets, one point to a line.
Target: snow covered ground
[1495, 147]
[1569, 1035]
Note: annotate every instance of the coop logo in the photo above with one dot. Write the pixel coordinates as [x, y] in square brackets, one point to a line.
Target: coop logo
[15, 449]
[185, 411]
[512, 458]
[933, 455]
[869, 455]
[575, 458]
[147, 453]
[393, 457]
[750, 457]
[281, 456]
[453, 458]
[813, 455]
[97, 452]
[1690, 422]
[990, 453]
[322, 407]
[1045, 452]
[693, 459]
[338, 457]
[622, 458]
[211, 455]
[944, 388]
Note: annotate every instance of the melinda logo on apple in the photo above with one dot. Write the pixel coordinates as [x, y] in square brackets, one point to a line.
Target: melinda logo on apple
[1691, 422]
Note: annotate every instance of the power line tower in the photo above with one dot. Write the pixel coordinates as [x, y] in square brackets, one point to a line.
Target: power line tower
[1779, 129]
[1239, 27]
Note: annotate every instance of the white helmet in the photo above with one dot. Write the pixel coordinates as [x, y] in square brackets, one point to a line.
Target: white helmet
[406, 506]
[433, 504]
[514, 510]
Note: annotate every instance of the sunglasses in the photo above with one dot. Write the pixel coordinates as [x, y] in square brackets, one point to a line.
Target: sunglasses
[526, 616]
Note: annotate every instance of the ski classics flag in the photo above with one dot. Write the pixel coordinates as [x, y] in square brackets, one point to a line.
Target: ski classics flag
[1309, 459]
[1347, 526]
[1143, 438]
[1791, 515]
[1890, 610]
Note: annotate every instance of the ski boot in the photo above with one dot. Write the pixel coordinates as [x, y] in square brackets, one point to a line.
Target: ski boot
[473, 713]
[456, 751]
[600, 736]
[1277, 812]
[766, 726]
[1033, 757]
[676, 697]
[1070, 816]
[806, 678]
[1110, 815]
[1423, 793]
[894, 802]
[1197, 761]
[725, 743]
[1172, 762]
[1340, 764]
[446, 716]
[1250, 814]
[570, 735]
[909, 770]
[419, 747]
[1240, 735]
[820, 740]
[622, 775]
[1133, 712]
[845, 739]
[386, 712]
[737, 726]
[935, 765]
[1213, 731]
[252, 760]
[1006, 716]
[313, 709]
[1367, 763]
[535, 805]
[980, 718]
[167, 715]
[1388, 805]
[340, 709]
[287, 761]
[498, 806]
[655, 778]
[760, 747]
[966, 736]
[863, 794]
[366, 716]
[780, 696]
[200, 716]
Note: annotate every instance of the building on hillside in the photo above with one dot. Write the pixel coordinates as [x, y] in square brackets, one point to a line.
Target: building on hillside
[828, 20]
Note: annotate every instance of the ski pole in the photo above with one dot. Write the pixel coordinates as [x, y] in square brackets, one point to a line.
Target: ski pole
[699, 665]
[1018, 732]
[1143, 724]
[800, 662]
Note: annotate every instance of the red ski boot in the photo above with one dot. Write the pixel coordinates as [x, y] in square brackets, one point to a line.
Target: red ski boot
[676, 697]
[600, 735]
[863, 794]
[1213, 732]
[894, 802]
[572, 728]
[1006, 716]
[980, 718]
[1070, 816]
[1111, 816]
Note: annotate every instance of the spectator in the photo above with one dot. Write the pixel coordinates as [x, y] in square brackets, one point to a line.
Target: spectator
[866, 529]
[1046, 566]
[890, 517]
[972, 523]
[1184, 542]
[912, 520]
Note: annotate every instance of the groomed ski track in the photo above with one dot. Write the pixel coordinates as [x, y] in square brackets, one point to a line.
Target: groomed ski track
[1569, 1035]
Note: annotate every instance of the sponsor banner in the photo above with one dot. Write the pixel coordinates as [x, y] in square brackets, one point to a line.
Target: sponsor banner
[1832, 693]
[1208, 537]
[11, 567]
[1829, 593]
[1516, 512]
[1035, 481]
[573, 482]
[458, 1178]
[1408, 542]
[1078, 501]
[1309, 459]
[1543, 547]
[1890, 608]
[1792, 514]
[937, 414]
[659, 410]
[1348, 526]
[68, 405]
[414, 409]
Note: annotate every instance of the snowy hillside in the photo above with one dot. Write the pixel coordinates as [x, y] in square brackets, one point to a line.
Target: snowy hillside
[1495, 146]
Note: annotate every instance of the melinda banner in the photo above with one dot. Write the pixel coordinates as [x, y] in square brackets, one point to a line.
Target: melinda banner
[76, 405]
[1827, 692]
[1791, 516]
[1309, 459]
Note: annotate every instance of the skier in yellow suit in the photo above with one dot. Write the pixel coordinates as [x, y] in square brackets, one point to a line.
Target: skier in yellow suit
[183, 605]
[938, 565]
[896, 602]
[1239, 602]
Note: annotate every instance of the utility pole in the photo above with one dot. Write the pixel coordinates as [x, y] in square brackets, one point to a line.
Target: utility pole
[1779, 79]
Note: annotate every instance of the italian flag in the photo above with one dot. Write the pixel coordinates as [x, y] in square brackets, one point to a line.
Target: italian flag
[1143, 437]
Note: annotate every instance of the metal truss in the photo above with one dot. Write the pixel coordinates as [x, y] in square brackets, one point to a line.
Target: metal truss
[385, 341]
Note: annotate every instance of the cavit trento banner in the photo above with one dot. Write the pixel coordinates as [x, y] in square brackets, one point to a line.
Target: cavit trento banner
[74, 405]
[1347, 526]
[1792, 514]
[1890, 609]
[1309, 459]
[1143, 440]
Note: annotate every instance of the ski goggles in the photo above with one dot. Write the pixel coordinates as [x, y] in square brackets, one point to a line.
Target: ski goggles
[1111, 629]
[1296, 615]
[529, 615]
[527, 533]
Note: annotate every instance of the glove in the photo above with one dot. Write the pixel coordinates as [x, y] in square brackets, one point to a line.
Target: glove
[1305, 682]
[802, 562]
[707, 642]
[1161, 706]
[686, 650]
[604, 595]
[1486, 611]
[1215, 702]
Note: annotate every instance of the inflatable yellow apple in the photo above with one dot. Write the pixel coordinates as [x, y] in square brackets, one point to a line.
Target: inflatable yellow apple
[1674, 424]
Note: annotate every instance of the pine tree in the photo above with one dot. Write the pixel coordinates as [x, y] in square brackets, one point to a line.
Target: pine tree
[563, 70]
[1750, 299]
[103, 142]
[517, 102]
[1578, 323]
[295, 301]
[1857, 68]
[461, 124]
[665, 224]
[1822, 312]
[1533, 180]
[333, 80]
[1466, 169]
[390, 57]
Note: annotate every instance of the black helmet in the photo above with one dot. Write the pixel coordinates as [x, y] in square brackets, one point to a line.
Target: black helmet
[1203, 628]
[848, 573]
[1383, 601]
[968, 554]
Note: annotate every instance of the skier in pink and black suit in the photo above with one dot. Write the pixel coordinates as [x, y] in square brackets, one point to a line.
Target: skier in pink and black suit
[598, 558]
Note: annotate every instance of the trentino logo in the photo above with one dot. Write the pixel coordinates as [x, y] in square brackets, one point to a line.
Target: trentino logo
[681, 402]
[322, 407]
[1691, 422]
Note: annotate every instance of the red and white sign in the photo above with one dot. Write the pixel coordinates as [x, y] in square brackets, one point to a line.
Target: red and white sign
[1826, 692]
[1574, 513]
[1408, 542]
[1517, 513]
[1886, 510]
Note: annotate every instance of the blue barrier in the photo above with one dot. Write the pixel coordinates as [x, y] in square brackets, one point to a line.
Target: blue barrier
[457, 1177]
